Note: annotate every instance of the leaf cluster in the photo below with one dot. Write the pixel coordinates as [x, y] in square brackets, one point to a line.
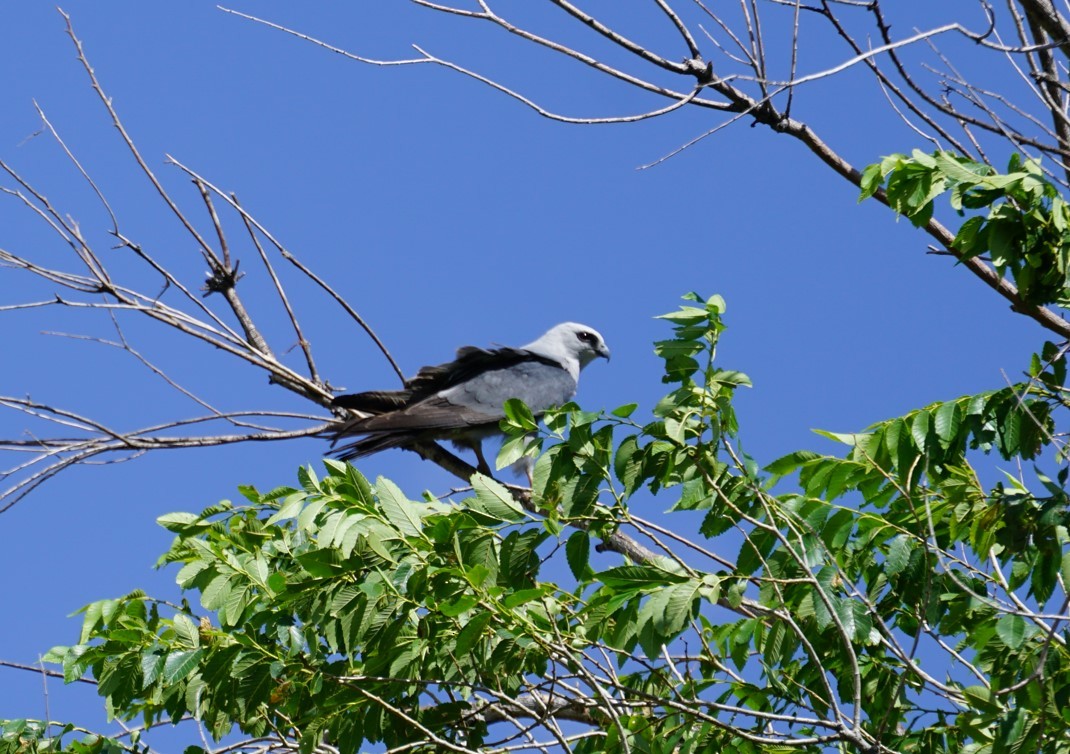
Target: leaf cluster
[1025, 226]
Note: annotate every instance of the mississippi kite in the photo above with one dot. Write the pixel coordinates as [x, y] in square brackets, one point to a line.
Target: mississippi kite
[462, 400]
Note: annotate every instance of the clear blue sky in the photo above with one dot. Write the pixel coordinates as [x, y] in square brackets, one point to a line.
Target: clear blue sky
[447, 214]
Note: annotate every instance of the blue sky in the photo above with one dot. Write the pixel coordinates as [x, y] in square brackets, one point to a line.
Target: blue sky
[447, 214]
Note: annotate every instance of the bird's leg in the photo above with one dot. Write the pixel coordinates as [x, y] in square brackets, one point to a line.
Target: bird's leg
[482, 466]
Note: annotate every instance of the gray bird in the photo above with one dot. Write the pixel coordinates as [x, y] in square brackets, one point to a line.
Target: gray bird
[462, 400]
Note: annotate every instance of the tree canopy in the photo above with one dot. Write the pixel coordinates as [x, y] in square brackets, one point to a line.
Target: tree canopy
[890, 597]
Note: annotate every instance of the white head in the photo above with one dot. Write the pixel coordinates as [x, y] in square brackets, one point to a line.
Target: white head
[572, 344]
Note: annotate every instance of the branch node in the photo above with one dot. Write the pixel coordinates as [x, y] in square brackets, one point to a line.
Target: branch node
[222, 280]
[701, 70]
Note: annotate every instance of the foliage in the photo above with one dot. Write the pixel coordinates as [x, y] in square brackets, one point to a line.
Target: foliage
[1026, 228]
[31, 735]
[341, 612]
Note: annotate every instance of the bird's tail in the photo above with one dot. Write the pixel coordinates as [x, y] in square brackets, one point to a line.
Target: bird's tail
[366, 446]
[374, 401]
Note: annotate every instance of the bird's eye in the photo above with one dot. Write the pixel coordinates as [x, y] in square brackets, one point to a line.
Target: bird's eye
[586, 337]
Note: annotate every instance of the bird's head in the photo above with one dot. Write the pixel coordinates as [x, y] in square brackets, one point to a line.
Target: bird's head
[571, 341]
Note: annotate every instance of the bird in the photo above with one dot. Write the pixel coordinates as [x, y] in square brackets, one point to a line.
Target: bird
[462, 400]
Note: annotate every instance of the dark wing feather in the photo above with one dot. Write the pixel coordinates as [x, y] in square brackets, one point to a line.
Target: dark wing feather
[374, 401]
[434, 414]
[470, 362]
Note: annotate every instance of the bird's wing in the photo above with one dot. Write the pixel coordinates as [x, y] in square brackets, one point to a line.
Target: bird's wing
[536, 382]
[471, 362]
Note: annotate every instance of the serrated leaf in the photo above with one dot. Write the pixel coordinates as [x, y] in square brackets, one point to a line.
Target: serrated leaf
[290, 508]
[493, 499]
[855, 618]
[632, 577]
[792, 461]
[512, 450]
[947, 420]
[687, 315]
[578, 553]
[180, 664]
[519, 415]
[237, 601]
[276, 582]
[674, 607]
[628, 464]
[953, 167]
[215, 594]
[871, 181]
[919, 429]
[898, 554]
[456, 607]
[1012, 630]
[151, 664]
[306, 519]
[90, 621]
[177, 522]
[472, 632]
[186, 630]
[397, 508]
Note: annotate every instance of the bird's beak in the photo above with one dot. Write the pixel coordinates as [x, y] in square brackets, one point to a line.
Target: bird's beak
[604, 353]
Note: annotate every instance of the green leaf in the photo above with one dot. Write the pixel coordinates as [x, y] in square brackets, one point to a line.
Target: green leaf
[215, 594]
[579, 494]
[152, 662]
[519, 415]
[276, 582]
[462, 604]
[493, 499]
[981, 698]
[74, 664]
[632, 577]
[55, 655]
[947, 420]
[872, 178]
[955, 167]
[186, 630]
[673, 607]
[578, 553]
[848, 438]
[290, 508]
[687, 315]
[623, 412]
[898, 554]
[398, 509]
[791, 462]
[177, 522]
[628, 464]
[91, 621]
[1012, 630]
[919, 429]
[1011, 731]
[514, 449]
[180, 664]
[855, 618]
[472, 631]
